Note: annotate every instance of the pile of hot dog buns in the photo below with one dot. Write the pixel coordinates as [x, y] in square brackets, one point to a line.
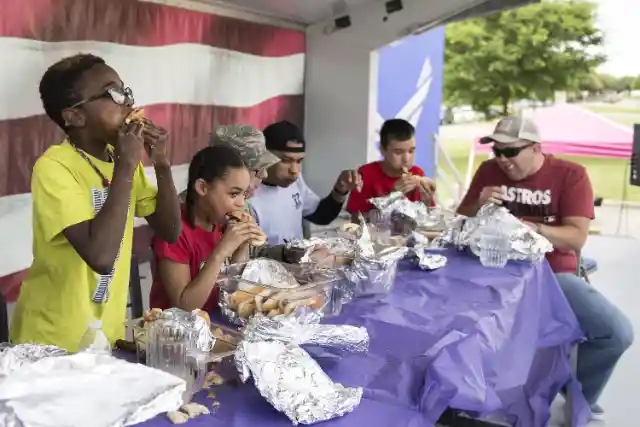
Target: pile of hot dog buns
[273, 302]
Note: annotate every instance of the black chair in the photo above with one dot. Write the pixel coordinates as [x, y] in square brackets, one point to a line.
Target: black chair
[135, 289]
[4, 319]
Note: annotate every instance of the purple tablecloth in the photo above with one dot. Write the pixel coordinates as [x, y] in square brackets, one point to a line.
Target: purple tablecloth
[487, 341]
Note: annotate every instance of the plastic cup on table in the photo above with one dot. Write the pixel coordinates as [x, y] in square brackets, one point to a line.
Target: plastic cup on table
[494, 250]
[381, 232]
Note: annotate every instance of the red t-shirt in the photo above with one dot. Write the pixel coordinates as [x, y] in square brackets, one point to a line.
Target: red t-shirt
[193, 248]
[376, 183]
[558, 190]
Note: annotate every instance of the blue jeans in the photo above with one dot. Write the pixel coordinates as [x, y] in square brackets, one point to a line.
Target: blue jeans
[608, 331]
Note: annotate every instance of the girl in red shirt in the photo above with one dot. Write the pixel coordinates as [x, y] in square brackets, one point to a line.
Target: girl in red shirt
[186, 271]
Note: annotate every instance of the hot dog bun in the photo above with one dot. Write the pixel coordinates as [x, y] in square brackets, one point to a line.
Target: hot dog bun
[351, 228]
[204, 315]
[238, 297]
[135, 115]
[240, 216]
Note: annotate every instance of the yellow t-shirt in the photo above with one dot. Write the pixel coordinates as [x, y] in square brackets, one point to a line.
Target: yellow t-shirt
[56, 300]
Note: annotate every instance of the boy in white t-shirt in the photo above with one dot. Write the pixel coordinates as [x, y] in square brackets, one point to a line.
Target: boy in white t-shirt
[284, 199]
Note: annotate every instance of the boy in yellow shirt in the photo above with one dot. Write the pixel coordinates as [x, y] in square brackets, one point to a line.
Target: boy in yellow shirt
[86, 192]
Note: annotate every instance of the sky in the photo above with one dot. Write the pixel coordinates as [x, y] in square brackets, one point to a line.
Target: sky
[620, 21]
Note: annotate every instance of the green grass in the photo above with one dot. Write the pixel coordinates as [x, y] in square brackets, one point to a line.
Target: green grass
[613, 109]
[627, 120]
[609, 177]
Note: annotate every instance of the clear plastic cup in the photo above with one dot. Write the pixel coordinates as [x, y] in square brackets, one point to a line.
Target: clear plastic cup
[494, 250]
[382, 234]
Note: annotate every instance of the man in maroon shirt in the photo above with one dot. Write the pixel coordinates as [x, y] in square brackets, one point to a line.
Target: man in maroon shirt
[395, 172]
[555, 198]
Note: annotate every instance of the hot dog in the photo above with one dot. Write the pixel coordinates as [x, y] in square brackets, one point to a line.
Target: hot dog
[135, 116]
[242, 216]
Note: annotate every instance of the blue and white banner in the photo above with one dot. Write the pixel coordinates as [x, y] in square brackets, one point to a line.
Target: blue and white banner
[410, 87]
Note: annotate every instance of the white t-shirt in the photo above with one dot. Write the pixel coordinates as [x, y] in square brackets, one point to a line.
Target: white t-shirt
[279, 211]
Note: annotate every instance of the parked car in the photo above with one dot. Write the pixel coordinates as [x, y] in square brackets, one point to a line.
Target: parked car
[446, 115]
[460, 114]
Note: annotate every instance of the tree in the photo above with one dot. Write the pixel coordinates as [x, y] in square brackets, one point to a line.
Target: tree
[525, 53]
[625, 84]
[618, 84]
[609, 82]
[592, 83]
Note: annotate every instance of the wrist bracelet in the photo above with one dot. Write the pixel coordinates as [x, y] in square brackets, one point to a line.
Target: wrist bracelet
[335, 190]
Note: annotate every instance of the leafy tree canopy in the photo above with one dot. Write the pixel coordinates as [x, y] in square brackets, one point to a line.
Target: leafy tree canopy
[525, 53]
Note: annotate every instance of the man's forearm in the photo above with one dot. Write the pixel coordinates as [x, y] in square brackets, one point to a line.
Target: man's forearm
[566, 237]
[328, 209]
[468, 210]
[165, 221]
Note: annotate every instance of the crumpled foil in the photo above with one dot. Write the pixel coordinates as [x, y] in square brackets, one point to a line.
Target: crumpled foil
[526, 244]
[269, 272]
[396, 209]
[342, 246]
[183, 325]
[305, 328]
[421, 251]
[374, 269]
[13, 357]
[416, 239]
[428, 261]
[288, 378]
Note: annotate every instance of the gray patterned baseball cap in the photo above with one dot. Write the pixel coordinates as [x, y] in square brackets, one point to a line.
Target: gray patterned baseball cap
[249, 142]
[512, 129]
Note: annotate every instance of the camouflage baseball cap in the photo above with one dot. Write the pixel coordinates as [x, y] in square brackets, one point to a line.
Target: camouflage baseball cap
[249, 142]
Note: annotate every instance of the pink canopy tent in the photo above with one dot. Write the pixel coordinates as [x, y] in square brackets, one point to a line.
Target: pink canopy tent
[572, 130]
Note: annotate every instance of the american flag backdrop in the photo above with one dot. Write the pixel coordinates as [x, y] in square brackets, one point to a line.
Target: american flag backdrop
[192, 71]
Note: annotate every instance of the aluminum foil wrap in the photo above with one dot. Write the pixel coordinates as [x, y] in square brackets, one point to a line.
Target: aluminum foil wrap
[288, 378]
[269, 272]
[405, 214]
[305, 328]
[526, 244]
[341, 246]
[182, 325]
[425, 260]
[375, 266]
[422, 252]
[13, 357]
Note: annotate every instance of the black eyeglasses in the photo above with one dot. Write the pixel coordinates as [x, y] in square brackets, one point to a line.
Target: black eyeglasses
[121, 96]
[509, 152]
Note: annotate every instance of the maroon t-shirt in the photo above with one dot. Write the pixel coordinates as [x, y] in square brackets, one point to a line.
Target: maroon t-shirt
[558, 190]
[193, 248]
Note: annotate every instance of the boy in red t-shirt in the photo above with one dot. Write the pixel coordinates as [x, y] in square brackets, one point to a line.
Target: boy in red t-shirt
[395, 172]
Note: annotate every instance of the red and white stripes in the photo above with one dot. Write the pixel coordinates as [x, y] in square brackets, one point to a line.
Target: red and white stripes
[192, 71]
